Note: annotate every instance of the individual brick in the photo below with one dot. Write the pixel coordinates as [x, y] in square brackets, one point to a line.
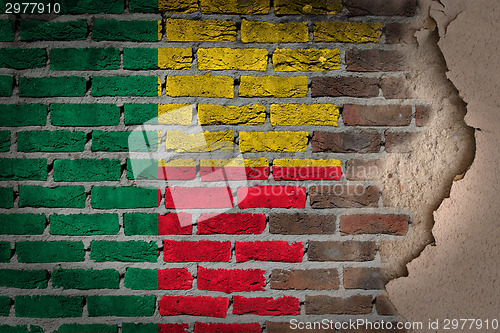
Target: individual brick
[301, 224]
[396, 88]
[126, 31]
[65, 86]
[200, 86]
[84, 114]
[363, 170]
[298, 60]
[23, 169]
[263, 32]
[177, 169]
[232, 224]
[341, 251]
[198, 197]
[194, 306]
[235, 7]
[23, 114]
[51, 141]
[209, 114]
[400, 142]
[422, 115]
[20, 328]
[182, 30]
[282, 141]
[269, 251]
[5, 251]
[121, 306]
[354, 305]
[22, 58]
[134, 141]
[175, 224]
[343, 196]
[287, 7]
[7, 30]
[234, 59]
[53, 31]
[93, 7]
[304, 114]
[84, 224]
[143, 168]
[145, 86]
[230, 280]
[234, 169]
[344, 86]
[347, 32]
[266, 306]
[400, 33]
[84, 59]
[391, 224]
[5, 302]
[273, 86]
[346, 142]
[169, 58]
[141, 279]
[163, 6]
[156, 328]
[140, 224]
[384, 306]
[306, 169]
[79, 328]
[57, 197]
[48, 306]
[6, 197]
[363, 278]
[315, 279]
[24, 279]
[175, 114]
[6, 85]
[87, 170]
[181, 142]
[22, 224]
[271, 197]
[381, 8]
[109, 197]
[174, 278]
[86, 279]
[222, 327]
[374, 60]
[154, 224]
[130, 251]
[197, 251]
[138, 114]
[44, 252]
[377, 115]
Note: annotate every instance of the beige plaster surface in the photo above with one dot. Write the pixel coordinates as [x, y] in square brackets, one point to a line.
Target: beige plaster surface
[458, 276]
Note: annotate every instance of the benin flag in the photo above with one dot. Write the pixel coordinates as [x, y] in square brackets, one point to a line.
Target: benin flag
[234, 169]
[180, 169]
[306, 169]
[158, 114]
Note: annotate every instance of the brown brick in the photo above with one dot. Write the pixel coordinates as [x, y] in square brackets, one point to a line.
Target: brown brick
[399, 142]
[363, 278]
[422, 115]
[362, 169]
[376, 115]
[344, 86]
[284, 327]
[323, 304]
[381, 7]
[341, 251]
[374, 60]
[384, 306]
[373, 330]
[396, 88]
[399, 33]
[317, 279]
[343, 196]
[346, 142]
[391, 224]
[301, 224]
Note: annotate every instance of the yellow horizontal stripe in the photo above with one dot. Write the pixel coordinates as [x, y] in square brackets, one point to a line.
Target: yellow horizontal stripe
[292, 162]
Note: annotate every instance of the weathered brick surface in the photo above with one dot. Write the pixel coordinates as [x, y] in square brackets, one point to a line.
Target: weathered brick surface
[396, 88]
[381, 8]
[200, 86]
[354, 305]
[121, 306]
[344, 196]
[194, 306]
[345, 86]
[269, 251]
[221, 327]
[51, 141]
[301, 224]
[263, 32]
[374, 224]
[198, 251]
[377, 115]
[363, 170]
[22, 58]
[22, 224]
[85, 279]
[65, 86]
[373, 60]
[302, 114]
[341, 251]
[88, 59]
[346, 142]
[53, 31]
[317, 279]
[230, 281]
[299, 60]
[181, 30]
[7, 29]
[347, 32]
[49, 306]
[273, 86]
[363, 278]
[400, 142]
[23, 114]
[135, 31]
[283, 7]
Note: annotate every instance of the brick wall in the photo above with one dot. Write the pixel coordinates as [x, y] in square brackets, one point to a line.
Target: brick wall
[305, 97]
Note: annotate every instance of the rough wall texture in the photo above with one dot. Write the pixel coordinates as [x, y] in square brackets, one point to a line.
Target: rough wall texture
[284, 205]
[463, 264]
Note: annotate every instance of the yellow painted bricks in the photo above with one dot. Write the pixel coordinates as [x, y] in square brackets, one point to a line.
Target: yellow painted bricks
[209, 114]
[290, 60]
[273, 86]
[236, 59]
[303, 114]
[285, 141]
[263, 32]
[200, 86]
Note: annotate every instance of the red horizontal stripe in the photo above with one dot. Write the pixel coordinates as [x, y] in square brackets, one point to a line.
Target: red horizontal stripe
[210, 174]
[177, 172]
